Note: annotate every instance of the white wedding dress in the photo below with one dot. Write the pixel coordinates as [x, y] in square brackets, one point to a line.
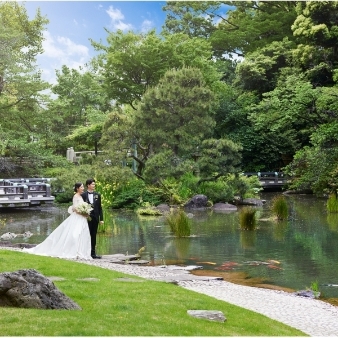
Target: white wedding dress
[71, 239]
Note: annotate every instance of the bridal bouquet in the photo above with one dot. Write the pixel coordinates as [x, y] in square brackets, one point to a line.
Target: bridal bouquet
[84, 209]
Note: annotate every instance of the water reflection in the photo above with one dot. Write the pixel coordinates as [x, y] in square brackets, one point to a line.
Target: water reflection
[305, 246]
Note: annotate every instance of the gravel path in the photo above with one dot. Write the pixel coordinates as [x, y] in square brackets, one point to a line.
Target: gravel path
[313, 317]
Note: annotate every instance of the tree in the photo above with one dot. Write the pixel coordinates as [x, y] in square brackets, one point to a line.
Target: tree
[316, 29]
[132, 63]
[233, 27]
[81, 104]
[21, 100]
[177, 114]
[260, 70]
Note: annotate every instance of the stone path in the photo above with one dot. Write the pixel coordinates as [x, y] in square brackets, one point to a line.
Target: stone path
[311, 316]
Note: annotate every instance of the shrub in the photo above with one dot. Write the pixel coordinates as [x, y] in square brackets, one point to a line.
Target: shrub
[217, 191]
[279, 207]
[148, 209]
[179, 223]
[134, 194]
[247, 218]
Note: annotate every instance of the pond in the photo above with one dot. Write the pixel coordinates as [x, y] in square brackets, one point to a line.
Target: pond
[291, 254]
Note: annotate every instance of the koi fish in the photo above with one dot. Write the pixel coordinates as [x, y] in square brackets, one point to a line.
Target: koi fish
[209, 263]
[273, 261]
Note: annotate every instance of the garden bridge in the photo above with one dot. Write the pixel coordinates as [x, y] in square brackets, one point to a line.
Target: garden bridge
[25, 192]
[270, 179]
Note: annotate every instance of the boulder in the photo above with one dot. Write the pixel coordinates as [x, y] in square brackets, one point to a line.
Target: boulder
[30, 289]
[165, 208]
[226, 207]
[197, 202]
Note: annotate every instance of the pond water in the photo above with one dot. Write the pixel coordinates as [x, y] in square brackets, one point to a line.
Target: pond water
[292, 254]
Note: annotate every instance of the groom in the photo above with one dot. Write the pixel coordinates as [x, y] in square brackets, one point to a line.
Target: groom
[92, 197]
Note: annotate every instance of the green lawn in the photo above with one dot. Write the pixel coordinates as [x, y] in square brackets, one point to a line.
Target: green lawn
[111, 307]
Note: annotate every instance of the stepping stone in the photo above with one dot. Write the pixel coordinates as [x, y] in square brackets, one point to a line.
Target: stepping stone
[213, 315]
[56, 279]
[140, 261]
[89, 279]
[186, 278]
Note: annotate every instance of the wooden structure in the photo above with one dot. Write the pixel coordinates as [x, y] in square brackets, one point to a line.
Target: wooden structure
[270, 180]
[25, 192]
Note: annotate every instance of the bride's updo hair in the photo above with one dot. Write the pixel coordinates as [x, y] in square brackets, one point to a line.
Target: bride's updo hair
[77, 186]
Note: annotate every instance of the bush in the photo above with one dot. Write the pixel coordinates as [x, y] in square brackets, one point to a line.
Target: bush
[134, 194]
[179, 223]
[216, 191]
[247, 218]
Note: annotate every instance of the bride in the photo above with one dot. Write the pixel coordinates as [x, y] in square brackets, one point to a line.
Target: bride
[71, 239]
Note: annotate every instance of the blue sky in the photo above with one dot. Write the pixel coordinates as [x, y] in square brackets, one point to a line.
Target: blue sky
[72, 23]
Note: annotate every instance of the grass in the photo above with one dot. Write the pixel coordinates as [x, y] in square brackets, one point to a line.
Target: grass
[179, 223]
[332, 203]
[114, 308]
[247, 218]
[279, 207]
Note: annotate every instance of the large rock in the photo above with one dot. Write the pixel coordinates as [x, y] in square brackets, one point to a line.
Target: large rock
[224, 207]
[29, 289]
[197, 202]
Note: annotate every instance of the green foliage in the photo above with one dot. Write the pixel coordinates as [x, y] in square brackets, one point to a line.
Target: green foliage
[134, 194]
[179, 222]
[148, 209]
[62, 186]
[133, 62]
[314, 168]
[241, 26]
[332, 203]
[177, 113]
[218, 157]
[166, 164]
[107, 226]
[316, 30]
[217, 191]
[279, 207]
[247, 218]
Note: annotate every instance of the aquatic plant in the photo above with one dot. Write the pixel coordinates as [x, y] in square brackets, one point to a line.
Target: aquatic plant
[332, 203]
[279, 207]
[179, 223]
[106, 227]
[148, 209]
[247, 218]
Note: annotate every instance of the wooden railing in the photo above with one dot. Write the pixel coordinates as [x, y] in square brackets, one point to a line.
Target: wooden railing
[271, 179]
[24, 192]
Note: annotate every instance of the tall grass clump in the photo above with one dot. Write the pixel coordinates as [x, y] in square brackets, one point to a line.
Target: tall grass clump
[279, 207]
[247, 218]
[179, 223]
[332, 203]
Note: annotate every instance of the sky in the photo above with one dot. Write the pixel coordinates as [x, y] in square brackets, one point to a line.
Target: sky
[73, 23]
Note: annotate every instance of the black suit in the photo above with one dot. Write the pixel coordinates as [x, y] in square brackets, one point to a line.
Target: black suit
[96, 216]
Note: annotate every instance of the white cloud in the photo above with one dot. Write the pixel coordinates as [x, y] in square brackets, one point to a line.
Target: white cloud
[115, 14]
[146, 26]
[60, 51]
[117, 18]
